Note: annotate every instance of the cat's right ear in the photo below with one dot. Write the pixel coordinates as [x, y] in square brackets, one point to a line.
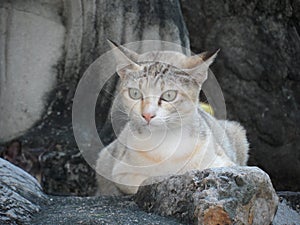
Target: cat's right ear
[197, 65]
[125, 58]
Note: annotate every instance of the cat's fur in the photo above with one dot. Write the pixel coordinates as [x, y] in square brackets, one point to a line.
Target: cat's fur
[183, 136]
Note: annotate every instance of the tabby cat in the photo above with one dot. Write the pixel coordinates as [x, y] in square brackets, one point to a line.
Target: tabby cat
[167, 132]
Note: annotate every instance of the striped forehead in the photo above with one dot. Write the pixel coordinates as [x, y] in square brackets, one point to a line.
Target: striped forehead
[155, 69]
[158, 75]
[154, 74]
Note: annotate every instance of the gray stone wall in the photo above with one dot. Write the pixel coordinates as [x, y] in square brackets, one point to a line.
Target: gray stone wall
[258, 71]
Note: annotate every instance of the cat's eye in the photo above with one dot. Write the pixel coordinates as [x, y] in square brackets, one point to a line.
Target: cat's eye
[169, 96]
[134, 93]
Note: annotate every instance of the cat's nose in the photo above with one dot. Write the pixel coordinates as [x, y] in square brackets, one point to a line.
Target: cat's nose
[148, 116]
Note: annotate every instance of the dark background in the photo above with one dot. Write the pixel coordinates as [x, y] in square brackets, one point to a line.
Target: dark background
[258, 70]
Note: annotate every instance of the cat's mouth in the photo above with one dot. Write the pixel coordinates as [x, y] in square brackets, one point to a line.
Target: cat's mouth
[152, 123]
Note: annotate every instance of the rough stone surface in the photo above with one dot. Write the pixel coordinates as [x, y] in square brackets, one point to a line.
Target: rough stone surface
[23, 202]
[122, 210]
[285, 214]
[21, 195]
[97, 210]
[258, 71]
[238, 195]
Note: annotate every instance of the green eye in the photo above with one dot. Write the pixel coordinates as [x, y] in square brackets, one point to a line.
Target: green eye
[134, 93]
[169, 96]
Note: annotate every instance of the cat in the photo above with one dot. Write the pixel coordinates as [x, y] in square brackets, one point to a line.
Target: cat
[167, 132]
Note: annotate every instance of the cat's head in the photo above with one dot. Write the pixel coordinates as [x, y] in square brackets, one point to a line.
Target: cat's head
[160, 88]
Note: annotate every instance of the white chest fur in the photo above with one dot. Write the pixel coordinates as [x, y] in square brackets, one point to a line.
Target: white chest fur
[167, 152]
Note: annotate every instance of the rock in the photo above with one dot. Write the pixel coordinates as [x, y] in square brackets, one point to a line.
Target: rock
[292, 198]
[288, 209]
[23, 202]
[237, 195]
[67, 173]
[21, 196]
[285, 214]
[258, 71]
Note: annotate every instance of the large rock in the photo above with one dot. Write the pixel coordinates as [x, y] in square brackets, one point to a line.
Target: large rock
[237, 195]
[23, 202]
[286, 214]
[21, 195]
[258, 70]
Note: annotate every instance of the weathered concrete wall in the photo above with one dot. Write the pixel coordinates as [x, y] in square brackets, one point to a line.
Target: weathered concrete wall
[47, 45]
[32, 41]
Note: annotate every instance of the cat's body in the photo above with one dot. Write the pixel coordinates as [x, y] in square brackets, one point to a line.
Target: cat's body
[168, 133]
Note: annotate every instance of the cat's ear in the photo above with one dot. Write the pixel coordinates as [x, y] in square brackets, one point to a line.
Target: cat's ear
[125, 58]
[197, 65]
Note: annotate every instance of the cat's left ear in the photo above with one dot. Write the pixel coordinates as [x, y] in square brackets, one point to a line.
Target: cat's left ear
[197, 65]
[125, 58]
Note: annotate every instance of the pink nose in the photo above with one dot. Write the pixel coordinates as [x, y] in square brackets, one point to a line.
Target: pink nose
[148, 116]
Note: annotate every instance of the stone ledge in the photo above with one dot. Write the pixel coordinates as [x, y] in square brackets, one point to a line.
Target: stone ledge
[236, 195]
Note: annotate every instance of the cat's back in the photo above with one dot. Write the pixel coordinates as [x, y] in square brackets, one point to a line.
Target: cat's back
[231, 135]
